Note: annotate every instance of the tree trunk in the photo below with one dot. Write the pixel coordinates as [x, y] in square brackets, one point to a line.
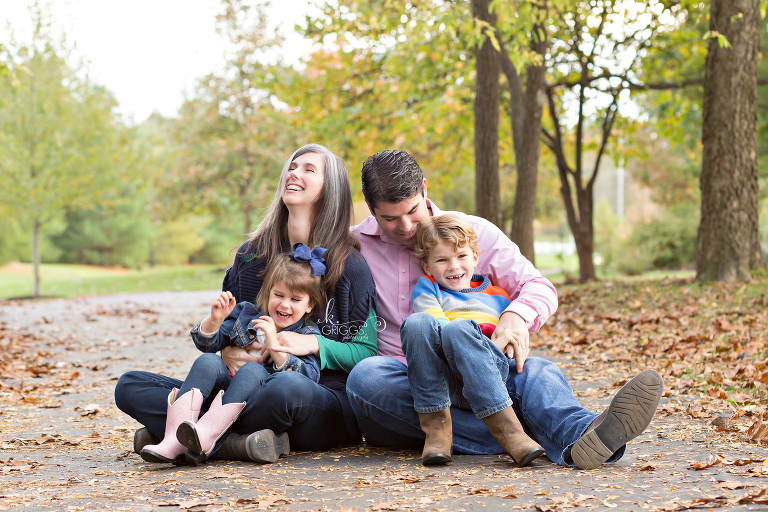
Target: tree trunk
[36, 256]
[728, 244]
[584, 238]
[248, 227]
[487, 188]
[527, 112]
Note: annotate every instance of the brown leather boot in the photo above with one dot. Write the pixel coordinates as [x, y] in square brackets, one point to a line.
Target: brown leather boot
[142, 438]
[507, 430]
[263, 446]
[439, 430]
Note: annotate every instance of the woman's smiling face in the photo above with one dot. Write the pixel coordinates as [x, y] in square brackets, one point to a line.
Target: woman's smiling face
[304, 182]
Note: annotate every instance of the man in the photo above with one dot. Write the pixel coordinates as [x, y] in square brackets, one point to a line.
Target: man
[396, 193]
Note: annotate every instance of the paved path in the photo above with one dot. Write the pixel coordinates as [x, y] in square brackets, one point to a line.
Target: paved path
[64, 445]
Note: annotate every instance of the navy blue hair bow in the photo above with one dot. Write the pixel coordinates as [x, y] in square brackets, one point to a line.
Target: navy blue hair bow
[302, 254]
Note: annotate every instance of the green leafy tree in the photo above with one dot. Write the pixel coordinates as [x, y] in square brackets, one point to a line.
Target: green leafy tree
[230, 141]
[117, 236]
[598, 58]
[61, 145]
[391, 75]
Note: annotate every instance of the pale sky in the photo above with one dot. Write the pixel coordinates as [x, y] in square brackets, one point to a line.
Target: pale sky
[148, 52]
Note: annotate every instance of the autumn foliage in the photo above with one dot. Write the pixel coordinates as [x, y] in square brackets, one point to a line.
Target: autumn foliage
[705, 340]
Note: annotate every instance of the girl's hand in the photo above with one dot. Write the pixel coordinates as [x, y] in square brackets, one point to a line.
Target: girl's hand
[266, 324]
[220, 310]
[235, 357]
[222, 307]
[297, 344]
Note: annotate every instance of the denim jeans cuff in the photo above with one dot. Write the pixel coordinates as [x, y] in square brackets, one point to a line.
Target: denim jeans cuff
[428, 410]
[494, 410]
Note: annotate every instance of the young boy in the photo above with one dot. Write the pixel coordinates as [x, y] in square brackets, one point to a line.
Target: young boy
[451, 359]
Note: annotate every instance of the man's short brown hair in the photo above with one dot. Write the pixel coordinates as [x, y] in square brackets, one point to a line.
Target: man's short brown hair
[391, 176]
[448, 228]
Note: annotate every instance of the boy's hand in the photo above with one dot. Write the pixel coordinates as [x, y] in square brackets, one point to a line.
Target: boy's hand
[512, 337]
[222, 307]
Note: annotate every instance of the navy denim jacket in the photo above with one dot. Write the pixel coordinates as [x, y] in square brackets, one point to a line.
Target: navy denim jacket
[238, 330]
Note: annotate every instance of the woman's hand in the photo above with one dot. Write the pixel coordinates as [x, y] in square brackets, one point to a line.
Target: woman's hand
[512, 337]
[235, 357]
[297, 344]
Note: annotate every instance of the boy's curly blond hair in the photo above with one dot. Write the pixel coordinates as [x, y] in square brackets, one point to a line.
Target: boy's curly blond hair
[448, 228]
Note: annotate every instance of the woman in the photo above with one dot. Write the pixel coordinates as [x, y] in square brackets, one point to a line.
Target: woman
[313, 206]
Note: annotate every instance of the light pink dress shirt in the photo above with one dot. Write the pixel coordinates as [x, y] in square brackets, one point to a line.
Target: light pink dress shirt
[395, 271]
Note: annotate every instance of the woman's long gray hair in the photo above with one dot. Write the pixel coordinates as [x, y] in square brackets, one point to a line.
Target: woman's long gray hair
[331, 217]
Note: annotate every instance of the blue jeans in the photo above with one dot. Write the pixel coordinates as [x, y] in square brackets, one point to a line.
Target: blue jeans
[381, 398]
[209, 374]
[455, 364]
[287, 402]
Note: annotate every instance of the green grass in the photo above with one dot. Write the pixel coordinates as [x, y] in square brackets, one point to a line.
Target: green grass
[56, 280]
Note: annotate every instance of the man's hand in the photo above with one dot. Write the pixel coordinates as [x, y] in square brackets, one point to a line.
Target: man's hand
[511, 336]
[235, 357]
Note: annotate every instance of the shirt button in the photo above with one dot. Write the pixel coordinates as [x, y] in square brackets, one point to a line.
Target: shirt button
[402, 297]
[403, 271]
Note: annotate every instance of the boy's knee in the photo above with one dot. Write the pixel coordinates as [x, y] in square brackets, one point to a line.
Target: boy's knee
[419, 329]
[418, 322]
[461, 327]
[461, 333]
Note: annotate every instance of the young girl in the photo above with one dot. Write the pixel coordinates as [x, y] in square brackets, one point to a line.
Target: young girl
[291, 292]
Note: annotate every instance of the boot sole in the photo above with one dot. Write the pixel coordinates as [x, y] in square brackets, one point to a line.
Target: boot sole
[187, 435]
[629, 413]
[150, 456]
[434, 459]
[530, 457]
[266, 447]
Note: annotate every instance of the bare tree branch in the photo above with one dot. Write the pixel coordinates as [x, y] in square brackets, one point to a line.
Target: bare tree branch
[610, 116]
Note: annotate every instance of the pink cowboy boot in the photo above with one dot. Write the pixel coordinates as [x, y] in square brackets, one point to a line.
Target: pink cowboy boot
[186, 407]
[201, 437]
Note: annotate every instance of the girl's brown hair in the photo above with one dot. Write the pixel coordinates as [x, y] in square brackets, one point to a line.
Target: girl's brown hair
[297, 277]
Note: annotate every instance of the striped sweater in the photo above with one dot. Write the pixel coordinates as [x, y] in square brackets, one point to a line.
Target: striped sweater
[483, 302]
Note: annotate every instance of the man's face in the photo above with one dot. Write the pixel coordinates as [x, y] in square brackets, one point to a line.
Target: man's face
[399, 220]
